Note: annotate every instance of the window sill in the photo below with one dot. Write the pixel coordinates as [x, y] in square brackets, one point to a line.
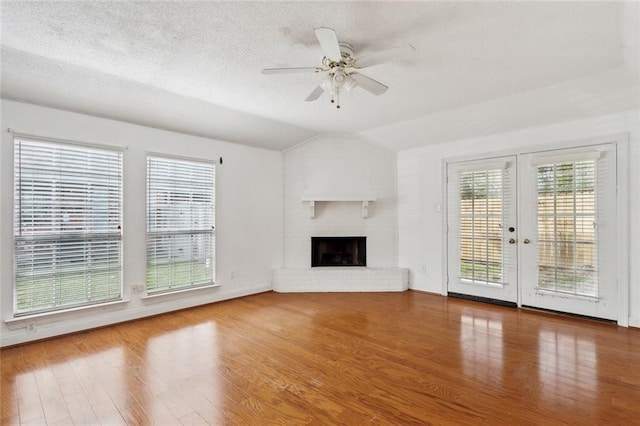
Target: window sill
[52, 314]
[181, 291]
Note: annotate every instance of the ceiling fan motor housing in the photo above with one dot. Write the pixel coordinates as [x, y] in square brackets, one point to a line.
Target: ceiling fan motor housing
[346, 49]
[346, 60]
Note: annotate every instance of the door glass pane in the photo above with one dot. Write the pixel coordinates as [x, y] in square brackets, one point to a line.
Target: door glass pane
[566, 219]
[481, 218]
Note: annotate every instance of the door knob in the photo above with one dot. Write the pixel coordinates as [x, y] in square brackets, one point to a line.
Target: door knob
[526, 241]
[512, 241]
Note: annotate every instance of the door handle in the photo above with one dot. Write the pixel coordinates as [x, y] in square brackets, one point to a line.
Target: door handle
[526, 241]
[512, 240]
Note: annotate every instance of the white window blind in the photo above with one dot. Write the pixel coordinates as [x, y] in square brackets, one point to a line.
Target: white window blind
[67, 226]
[180, 224]
[481, 216]
[567, 250]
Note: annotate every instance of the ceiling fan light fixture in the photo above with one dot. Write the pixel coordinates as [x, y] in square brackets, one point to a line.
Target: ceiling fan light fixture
[339, 78]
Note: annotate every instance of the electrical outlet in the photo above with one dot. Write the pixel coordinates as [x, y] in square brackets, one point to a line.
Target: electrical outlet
[137, 288]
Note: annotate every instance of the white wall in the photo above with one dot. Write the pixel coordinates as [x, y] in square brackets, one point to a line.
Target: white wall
[340, 165]
[248, 216]
[420, 192]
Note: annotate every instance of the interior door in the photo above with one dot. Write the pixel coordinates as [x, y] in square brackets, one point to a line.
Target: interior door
[482, 229]
[568, 230]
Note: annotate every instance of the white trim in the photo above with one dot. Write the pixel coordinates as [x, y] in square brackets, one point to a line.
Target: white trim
[179, 291]
[46, 139]
[52, 314]
[622, 219]
[329, 197]
[519, 222]
[565, 158]
[444, 166]
[548, 145]
[494, 165]
[183, 158]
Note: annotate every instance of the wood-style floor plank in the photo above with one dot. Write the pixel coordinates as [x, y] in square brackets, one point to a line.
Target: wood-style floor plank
[330, 358]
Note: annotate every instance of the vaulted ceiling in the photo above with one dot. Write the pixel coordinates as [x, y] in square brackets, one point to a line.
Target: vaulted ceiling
[194, 67]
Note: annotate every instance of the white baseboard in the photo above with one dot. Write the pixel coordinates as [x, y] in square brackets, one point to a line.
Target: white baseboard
[634, 322]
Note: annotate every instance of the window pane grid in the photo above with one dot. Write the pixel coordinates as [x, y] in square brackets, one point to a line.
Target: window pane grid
[67, 233]
[180, 224]
[567, 261]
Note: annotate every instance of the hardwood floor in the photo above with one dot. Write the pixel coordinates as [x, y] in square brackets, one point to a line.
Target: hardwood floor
[331, 358]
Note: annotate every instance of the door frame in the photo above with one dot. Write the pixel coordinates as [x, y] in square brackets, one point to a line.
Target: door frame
[621, 140]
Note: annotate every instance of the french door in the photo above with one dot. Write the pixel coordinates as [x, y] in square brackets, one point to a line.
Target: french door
[568, 247]
[548, 242]
[482, 234]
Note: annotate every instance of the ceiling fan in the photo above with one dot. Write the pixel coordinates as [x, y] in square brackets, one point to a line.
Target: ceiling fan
[341, 67]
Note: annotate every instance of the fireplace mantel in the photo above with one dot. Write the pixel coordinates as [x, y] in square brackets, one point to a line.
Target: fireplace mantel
[313, 199]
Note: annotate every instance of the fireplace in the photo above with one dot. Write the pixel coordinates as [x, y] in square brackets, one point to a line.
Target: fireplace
[338, 251]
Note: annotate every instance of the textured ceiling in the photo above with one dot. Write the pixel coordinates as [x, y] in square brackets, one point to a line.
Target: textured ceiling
[195, 66]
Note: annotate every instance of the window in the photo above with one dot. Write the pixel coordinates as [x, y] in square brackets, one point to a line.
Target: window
[180, 224]
[67, 226]
[567, 260]
[481, 219]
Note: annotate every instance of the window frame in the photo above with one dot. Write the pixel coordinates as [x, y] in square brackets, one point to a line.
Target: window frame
[82, 241]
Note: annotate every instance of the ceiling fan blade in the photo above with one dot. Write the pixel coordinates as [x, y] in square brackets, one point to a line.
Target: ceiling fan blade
[291, 70]
[369, 84]
[329, 43]
[385, 56]
[315, 94]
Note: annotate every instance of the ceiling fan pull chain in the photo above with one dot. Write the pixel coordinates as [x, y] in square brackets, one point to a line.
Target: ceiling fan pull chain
[333, 90]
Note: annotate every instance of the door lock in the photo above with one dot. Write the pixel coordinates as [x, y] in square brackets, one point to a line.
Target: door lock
[512, 240]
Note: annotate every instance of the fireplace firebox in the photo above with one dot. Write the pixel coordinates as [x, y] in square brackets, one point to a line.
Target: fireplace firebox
[338, 251]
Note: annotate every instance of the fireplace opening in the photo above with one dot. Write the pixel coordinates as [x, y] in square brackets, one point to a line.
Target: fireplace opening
[338, 251]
